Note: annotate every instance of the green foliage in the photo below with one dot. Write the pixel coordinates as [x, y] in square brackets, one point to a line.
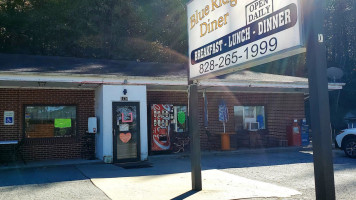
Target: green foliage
[154, 31]
[112, 29]
[340, 32]
[340, 38]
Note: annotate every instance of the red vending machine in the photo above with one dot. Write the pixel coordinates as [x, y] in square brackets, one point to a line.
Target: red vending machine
[161, 115]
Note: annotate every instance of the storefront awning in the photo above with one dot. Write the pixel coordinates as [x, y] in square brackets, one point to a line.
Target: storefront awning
[78, 73]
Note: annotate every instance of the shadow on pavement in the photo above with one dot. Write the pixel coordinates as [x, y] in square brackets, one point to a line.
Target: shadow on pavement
[255, 160]
[185, 195]
[161, 166]
[172, 165]
[41, 175]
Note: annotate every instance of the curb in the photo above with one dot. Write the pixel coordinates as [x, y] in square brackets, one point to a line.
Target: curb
[53, 163]
[258, 151]
[232, 152]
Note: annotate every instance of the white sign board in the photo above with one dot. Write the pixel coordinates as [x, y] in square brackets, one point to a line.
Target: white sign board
[9, 117]
[230, 35]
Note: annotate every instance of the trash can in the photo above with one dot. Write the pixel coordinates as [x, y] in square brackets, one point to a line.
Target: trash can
[225, 141]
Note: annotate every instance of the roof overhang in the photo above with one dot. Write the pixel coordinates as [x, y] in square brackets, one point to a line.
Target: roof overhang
[256, 84]
[75, 81]
[169, 83]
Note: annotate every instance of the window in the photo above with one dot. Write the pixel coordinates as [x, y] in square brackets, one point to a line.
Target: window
[249, 117]
[50, 121]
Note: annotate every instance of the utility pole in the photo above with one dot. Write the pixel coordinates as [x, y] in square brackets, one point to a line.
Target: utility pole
[319, 100]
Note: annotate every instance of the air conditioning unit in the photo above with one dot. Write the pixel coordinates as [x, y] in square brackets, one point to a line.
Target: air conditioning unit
[253, 126]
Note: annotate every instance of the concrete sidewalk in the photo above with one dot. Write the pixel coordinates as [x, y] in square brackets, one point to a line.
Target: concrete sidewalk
[216, 185]
[170, 178]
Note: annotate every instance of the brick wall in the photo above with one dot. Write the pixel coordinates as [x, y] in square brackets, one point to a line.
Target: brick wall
[175, 98]
[280, 110]
[48, 148]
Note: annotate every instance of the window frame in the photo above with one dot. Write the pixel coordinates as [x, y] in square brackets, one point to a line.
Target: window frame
[243, 120]
[53, 105]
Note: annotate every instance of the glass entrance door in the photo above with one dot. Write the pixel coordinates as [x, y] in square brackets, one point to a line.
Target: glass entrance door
[126, 133]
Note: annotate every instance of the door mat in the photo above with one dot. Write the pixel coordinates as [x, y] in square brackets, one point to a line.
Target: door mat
[134, 165]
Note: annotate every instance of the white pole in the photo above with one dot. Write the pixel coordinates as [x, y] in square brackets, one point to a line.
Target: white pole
[224, 126]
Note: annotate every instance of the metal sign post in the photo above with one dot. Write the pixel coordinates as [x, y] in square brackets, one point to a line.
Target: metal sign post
[227, 36]
[319, 102]
[195, 158]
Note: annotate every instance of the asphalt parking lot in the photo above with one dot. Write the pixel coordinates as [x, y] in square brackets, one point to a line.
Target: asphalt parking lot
[291, 169]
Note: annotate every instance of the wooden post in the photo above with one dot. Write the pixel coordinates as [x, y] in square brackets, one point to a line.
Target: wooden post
[195, 155]
[319, 101]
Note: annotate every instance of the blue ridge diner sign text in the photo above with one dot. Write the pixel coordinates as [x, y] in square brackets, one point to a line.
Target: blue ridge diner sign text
[224, 35]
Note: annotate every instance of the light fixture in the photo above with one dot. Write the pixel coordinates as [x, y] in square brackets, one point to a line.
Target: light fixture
[125, 91]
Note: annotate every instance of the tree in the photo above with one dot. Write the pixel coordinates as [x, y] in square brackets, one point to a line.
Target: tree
[340, 31]
[112, 29]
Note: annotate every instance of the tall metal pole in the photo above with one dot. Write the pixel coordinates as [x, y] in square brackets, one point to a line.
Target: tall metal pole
[195, 155]
[319, 101]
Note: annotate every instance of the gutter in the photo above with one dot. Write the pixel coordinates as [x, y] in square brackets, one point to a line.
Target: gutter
[210, 83]
[134, 80]
[93, 79]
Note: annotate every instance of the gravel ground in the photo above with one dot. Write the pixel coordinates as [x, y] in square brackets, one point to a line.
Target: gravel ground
[290, 169]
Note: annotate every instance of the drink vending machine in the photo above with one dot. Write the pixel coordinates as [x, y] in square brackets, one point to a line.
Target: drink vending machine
[162, 116]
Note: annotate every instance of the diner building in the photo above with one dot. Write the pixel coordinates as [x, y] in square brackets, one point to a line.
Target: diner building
[118, 111]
